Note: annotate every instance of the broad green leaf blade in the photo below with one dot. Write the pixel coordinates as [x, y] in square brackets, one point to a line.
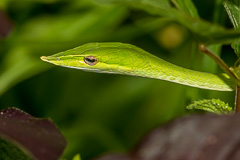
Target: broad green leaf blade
[211, 105]
[37, 138]
[233, 9]
[187, 6]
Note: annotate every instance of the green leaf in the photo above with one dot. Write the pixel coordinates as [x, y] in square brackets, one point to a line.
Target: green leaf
[211, 105]
[71, 27]
[187, 6]
[233, 9]
[205, 32]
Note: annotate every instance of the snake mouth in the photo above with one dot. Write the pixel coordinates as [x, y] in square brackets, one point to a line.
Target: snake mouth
[52, 60]
[44, 58]
[49, 59]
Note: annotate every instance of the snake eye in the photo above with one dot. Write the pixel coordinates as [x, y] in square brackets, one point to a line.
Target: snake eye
[90, 60]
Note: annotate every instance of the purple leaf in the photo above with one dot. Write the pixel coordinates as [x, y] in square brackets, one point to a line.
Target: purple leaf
[198, 137]
[39, 137]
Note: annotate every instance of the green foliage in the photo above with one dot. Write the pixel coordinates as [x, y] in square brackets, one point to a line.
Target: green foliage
[18, 59]
[205, 32]
[186, 6]
[211, 105]
[101, 113]
[233, 9]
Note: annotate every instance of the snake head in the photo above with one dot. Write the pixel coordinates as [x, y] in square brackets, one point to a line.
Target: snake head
[92, 57]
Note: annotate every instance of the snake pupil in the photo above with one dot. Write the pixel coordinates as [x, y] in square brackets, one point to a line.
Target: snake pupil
[90, 60]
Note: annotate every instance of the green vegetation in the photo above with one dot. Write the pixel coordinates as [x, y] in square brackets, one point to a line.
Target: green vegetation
[100, 113]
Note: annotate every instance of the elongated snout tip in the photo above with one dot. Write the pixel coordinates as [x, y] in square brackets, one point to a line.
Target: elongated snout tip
[49, 59]
[44, 58]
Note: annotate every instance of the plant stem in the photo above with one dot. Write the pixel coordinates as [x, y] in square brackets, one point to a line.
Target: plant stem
[237, 100]
[220, 62]
[225, 68]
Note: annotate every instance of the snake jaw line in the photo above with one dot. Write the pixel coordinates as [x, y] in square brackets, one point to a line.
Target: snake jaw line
[50, 59]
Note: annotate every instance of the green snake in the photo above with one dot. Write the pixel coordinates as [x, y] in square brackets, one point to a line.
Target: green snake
[120, 58]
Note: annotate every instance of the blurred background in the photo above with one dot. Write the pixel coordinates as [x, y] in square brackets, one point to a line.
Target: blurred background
[98, 113]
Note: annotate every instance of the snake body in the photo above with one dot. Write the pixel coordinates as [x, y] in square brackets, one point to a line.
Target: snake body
[120, 58]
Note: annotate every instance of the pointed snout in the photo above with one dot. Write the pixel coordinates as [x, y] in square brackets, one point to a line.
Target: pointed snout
[44, 58]
[49, 59]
